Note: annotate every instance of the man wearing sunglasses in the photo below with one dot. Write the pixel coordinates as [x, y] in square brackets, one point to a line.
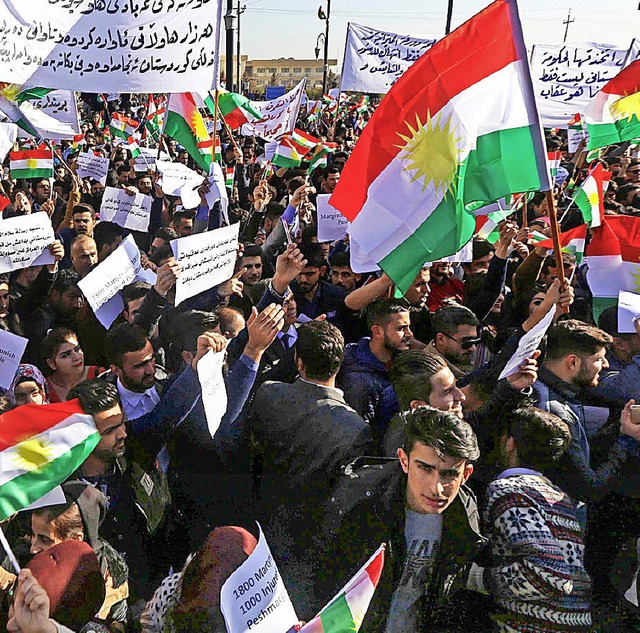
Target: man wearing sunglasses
[455, 338]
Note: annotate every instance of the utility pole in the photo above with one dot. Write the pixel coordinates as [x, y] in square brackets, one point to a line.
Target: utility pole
[567, 22]
[325, 71]
[229, 25]
[239, 12]
[447, 28]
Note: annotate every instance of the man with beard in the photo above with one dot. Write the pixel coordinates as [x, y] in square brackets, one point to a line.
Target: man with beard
[575, 356]
[341, 273]
[363, 377]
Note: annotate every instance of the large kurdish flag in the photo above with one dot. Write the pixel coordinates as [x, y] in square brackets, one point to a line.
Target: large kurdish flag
[345, 613]
[613, 115]
[613, 260]
[40, 447]
[457, 131]
[184, 123]
[31, 163]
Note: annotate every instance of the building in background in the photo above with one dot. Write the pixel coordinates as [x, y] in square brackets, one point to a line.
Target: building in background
[286, 72]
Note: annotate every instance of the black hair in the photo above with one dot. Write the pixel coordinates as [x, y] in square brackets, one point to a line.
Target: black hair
[446, 320]
[575, 337]
[66, 278]
[95, 395]
[105, 232]
[320, 347]
[161, 253]
[193, 324]
[313, 253]
[380, 311]
[410, 374]
[133, 291]
[84, 207]
[122, 339]
[166, 233]
[341, 258]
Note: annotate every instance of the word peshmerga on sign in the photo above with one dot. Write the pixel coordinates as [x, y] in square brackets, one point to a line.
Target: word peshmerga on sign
[110, 45]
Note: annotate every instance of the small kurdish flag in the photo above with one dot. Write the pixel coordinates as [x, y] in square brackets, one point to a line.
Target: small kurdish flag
[235, 108]
[40, 447]
[304, 142]
[78, 141]
[346, 612]
[286, 154]
[230, 173]
[122, 126]
[133, 147]
[613, 115]
[457, 131]
[571, 242]
[268, 172]
[554, 159]
[361, 106]
[319, 158]
[590, 197]
[218, 152]
[31, 163]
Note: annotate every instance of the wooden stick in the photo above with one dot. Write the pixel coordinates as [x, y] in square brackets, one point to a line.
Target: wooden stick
[525, 214]
[215, 126]
[555, 236]
[7, 548]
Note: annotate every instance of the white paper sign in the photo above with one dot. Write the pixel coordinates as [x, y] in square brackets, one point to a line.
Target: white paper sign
[46, 126]
[60, 105]
[528, 344]
[574, 138]
[628, 312]
[91, 166]
[11, 350]
[131, 212]
[254, 597]
[25, 241]
[374, 60]
[101, 286]
[8, 136]
[270, 149]
[174, 176]
[214, 392]
[206, 260]
[113, 46]
[567, 76]
[147, 159]
[332, 225]
[278, 115]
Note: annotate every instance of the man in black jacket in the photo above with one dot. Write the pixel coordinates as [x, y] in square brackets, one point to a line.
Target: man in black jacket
[419, 506]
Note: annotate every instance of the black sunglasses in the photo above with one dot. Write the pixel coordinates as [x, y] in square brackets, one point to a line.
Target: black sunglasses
[466, 343]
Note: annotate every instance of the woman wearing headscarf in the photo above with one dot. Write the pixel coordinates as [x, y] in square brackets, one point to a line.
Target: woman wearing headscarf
[28, 386]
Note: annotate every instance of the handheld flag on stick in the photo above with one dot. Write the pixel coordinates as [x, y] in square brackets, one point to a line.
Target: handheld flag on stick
[31, 163]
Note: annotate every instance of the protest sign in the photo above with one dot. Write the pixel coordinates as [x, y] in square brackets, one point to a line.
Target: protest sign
[206, 260]
[91, 166]
[374, 60]
[567, 76]
[175, 175]
[25, 241]
[528, 344]
[217, 191]
[214, 392]
[254, 597]
[278, 115]
[102, 285]
[270, 149]
[160, 46]
[147, 159]
[628, 312]
[131, 212]
[11, 350]
[45, 126]
[60, 105]
[332, 225]
[575, 137]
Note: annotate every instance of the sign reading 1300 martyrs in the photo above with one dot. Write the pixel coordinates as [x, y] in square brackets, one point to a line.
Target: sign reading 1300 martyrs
[115, 46]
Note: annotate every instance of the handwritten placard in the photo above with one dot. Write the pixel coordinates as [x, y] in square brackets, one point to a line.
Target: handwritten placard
[11, 350]
[332, 225]
[567, 76]
[174, 176]
[214, 392]
[131, 212]
[278, 115]
[25, 241]
[374, 60]
[254, 597]
[206, 260]
[147, 159]
[61, 105]
[102, 285]
[114, 46]
[91, 166]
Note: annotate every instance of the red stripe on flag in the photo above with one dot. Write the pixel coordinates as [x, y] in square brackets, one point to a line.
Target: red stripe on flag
[26, 154]
[626, 82]
[375, 569]
[30, 419]
[627, 230]
[474, 51]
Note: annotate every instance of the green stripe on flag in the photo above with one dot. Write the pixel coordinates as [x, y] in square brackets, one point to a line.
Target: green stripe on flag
[337, 618]
[23, 490]
[32, 173]
[504, 162]
[32, 93]
[604, 134]
[600, 304]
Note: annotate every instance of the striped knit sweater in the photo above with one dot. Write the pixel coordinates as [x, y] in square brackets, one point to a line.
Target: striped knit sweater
[537, 576]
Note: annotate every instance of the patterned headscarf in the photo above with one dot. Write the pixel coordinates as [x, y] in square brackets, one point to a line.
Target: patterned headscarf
[25, 373]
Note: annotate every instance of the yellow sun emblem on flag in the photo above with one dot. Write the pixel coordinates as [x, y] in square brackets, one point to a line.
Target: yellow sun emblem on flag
[9, 91]
[33, 453]
[431, 151]
[593, 198]
[198, 126]
[32, 163]
[626, 107]
[636, 277]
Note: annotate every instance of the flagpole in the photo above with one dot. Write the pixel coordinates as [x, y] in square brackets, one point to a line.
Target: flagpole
[215, 126]
[525, 214]
[7, 548]
[555, 236]
[58, 155]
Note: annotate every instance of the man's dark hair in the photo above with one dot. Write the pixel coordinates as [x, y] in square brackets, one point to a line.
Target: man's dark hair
[481, 248]
[123, 169]
[341, 258]
[274, 211]
[541, 437]
[4, 278]
[380, 311]
[95, 395]
[446, 320]
[133, 291]
[122, 339]
[64, 185]
[320, 347]
[312, 252]
[294, 184]
[84, 207]
[188, 214]
[575, 337]
[550, 262]
[166, 233]
[340, 154]
[161, 253]
[327, 171]
[105, 232]
[443, 431]
[411, 373]
[252, 250]
[193, 324]
[66, 278]
[608, 321]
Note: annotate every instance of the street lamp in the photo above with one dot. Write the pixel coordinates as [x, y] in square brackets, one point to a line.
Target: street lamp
[319, 41]
[325, 71]
[230, 26]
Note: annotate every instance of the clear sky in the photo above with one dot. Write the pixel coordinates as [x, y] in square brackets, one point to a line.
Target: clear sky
[289, 28]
